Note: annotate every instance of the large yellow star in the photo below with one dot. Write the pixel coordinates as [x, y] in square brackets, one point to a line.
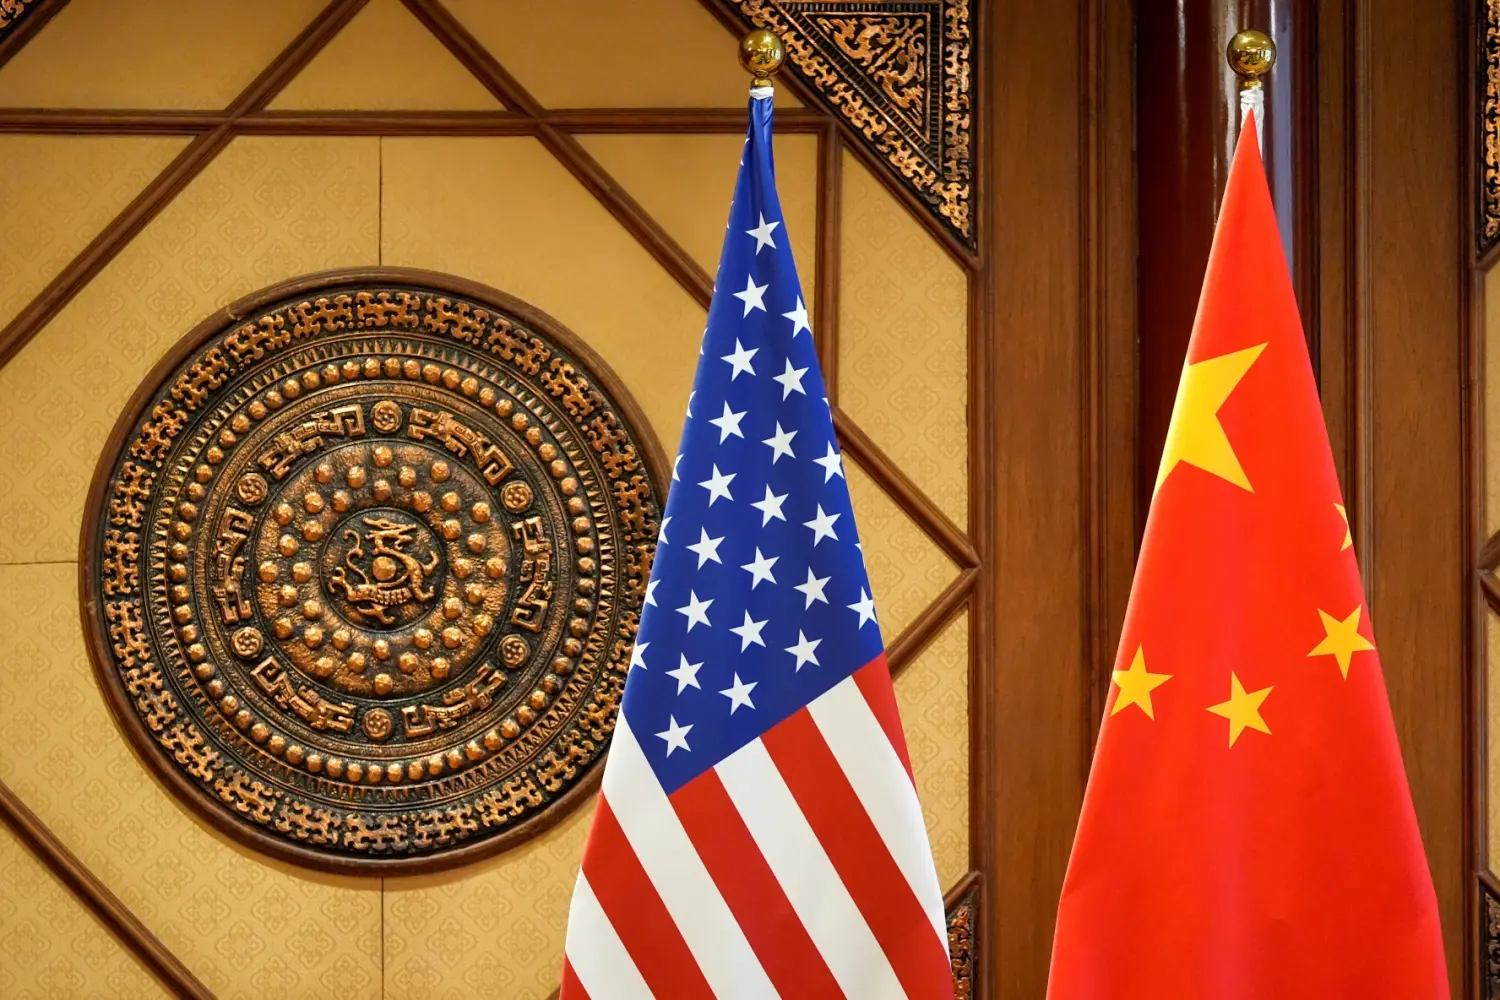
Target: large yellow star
[1242, 709]
[1342, 640]
[1195, 435]
[1348, 532]
[1136, 685]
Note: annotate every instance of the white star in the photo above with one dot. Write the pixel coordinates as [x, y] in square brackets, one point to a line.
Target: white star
[729, 423]
[813, 588]
[706, 548]
[718, 486]
[739, 694]
[798, 316]
[675, 463]
[822, 526]
[696, 611]
[865, 606]
[804, 650]
[832, 464]
[750, 632]
[686, 675]
[651, 592]
[781, 443]
[663, 533]
[739, 361]
[638, 655]
[695, 391]
[760, 569]
[676, 736]
[754, 296]
[791, 380]
[762, 234]
[770, 507]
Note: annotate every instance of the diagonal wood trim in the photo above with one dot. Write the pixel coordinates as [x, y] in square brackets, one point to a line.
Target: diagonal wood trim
[24, 25]
[899, 487]
[167, 184]
[931, 622]
[110, 241]
[829, 247]
[94, 894]
[626, 210]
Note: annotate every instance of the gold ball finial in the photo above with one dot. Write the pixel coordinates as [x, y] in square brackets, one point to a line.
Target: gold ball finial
[761, 53]
[1251, 55]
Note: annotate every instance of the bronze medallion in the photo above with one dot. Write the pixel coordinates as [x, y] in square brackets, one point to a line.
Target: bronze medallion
[362, 567]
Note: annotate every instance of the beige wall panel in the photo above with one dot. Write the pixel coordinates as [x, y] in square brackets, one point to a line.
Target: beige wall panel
[50, 946]
[903, 341]
[686, 182]
[933, 694]
[494, 929]
[57, 193]
[907, 571]
[1492, 736]
[609, 54]
[267, 209]
[385, 60]
[247, 926]
[504, 212]
[156, 54]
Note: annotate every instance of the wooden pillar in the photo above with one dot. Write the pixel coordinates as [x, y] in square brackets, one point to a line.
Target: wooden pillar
[1187, 122]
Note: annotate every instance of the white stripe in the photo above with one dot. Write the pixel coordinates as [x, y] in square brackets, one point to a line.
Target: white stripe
[599, 959]
[811, 883]
[675, 869]
[860, 745]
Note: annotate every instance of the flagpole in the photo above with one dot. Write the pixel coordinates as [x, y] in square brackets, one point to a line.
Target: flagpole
[761, 53]
[1251, 55]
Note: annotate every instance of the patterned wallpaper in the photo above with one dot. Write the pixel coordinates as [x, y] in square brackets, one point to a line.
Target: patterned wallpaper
[500, 211]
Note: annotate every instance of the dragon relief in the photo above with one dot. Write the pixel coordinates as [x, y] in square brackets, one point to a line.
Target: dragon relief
[395, 577]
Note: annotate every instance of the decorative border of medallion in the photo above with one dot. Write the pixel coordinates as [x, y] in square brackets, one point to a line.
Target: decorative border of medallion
[901, 74]
[362, 565]
[963, 905]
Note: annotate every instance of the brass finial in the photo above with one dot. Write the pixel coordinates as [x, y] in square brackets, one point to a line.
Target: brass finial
[1251, 55]
[761, 53]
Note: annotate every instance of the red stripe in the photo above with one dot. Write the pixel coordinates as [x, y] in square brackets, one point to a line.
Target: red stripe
[874, 680]
[630, 900]
[874, 880]
[776, 935]
[571, 989]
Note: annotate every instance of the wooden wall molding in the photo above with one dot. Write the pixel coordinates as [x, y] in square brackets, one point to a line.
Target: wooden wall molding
[95, 895]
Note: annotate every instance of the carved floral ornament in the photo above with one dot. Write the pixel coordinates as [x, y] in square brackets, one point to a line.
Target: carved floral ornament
[901, 74]
[1488, 224]
[363, 565]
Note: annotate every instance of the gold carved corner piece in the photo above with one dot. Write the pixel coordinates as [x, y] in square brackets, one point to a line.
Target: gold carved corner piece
[963, 948]
[1488, 224]
[901, 74]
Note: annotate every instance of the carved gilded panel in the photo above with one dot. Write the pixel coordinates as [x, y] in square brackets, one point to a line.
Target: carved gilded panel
[1487, 226]
[363, 565]
[901, 74]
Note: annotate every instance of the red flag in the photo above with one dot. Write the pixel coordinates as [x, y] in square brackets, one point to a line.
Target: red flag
[1247, 830]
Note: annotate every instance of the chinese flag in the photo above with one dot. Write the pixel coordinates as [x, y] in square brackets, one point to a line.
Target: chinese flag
[1247, 830]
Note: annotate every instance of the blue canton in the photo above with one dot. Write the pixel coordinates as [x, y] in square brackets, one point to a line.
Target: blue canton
[758, 600]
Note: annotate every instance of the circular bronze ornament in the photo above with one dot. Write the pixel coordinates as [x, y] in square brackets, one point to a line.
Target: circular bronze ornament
[362, 566]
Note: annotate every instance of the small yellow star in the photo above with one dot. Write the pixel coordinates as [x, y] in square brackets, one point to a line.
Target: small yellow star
[1136, 685]
[1195, 435]
[1348, 534]
[1342, 640]
[1242, 709]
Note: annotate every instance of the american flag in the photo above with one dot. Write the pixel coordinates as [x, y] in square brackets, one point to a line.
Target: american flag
[759, 833]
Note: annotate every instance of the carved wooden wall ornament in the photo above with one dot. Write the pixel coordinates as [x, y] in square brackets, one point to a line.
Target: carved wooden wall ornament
[901, 74]
[363, 564]
[964, 924]
[1487, 226]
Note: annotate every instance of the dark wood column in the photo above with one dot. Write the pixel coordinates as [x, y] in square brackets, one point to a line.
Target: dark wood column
[1187, 123]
